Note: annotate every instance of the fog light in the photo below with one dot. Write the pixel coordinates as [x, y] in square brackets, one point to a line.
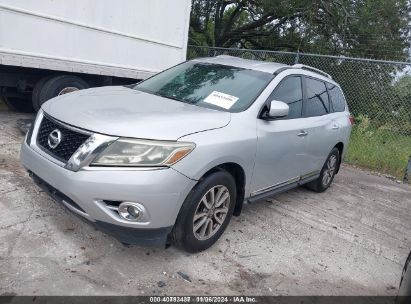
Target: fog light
[133, 211]
[130, 211]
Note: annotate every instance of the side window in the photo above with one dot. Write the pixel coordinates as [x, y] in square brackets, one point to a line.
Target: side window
[317, 98]
[337, 98]
[290, 91]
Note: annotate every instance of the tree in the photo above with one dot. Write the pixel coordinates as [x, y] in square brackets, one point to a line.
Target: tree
[366, 28]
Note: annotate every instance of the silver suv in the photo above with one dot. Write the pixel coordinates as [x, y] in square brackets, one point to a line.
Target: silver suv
[172, 158]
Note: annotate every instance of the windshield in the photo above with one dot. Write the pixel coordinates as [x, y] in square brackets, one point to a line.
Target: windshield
[208, 85]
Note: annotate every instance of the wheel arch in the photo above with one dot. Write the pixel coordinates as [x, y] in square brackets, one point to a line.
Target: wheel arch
[239, 176]
[340, 147]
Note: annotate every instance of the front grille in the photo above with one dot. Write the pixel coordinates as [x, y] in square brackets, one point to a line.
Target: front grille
[70, 142]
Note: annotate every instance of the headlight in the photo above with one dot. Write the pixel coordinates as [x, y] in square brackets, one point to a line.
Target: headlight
[148, 153]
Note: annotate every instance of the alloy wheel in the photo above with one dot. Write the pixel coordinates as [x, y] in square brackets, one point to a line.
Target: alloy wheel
[329, 170]
[211, 212]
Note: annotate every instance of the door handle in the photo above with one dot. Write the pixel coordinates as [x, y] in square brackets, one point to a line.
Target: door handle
[335, 127]
[302, 133]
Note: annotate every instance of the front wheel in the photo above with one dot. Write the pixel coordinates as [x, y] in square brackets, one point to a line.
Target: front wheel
[327, 172]
[205, 213]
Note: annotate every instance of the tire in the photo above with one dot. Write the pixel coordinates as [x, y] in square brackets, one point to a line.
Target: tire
[183, 235]
[55, 86]
[18, 104]
[35, 96]
[327, 173]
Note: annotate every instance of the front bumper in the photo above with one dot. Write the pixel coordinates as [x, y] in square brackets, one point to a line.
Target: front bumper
[84, 192]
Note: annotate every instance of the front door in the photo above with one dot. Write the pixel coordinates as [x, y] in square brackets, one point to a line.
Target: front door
[280, 144]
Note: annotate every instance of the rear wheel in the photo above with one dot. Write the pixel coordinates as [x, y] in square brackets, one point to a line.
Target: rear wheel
[205, 213]
[59, 85]
[19, 104]
[327, 173]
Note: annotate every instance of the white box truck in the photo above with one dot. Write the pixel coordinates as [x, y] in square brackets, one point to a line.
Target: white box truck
[52, 47]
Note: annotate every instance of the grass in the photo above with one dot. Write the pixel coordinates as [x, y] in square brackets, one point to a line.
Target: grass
[379, 150]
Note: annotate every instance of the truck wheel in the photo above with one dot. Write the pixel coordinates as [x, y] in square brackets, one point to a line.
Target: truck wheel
[35, 96]
[205, 213]
[60, 85]
[18, 104]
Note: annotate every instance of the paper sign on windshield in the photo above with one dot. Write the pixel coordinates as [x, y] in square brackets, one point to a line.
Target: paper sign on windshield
[221, 100]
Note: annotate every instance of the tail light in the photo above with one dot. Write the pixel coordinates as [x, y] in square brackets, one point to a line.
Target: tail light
[352, 120]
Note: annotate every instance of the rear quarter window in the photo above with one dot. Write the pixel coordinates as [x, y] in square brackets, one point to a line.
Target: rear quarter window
[337, 98]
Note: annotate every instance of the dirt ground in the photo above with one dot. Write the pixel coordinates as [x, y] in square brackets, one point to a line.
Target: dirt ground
[351, 240]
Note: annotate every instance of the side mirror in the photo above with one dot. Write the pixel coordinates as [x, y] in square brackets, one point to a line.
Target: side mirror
[278, 109]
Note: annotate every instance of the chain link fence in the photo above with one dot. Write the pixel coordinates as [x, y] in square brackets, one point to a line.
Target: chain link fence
[378, 94]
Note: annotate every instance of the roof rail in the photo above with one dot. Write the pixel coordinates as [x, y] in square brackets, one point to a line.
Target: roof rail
[306, 67]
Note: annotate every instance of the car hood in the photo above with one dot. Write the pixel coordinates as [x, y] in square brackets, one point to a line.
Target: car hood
[120, 111]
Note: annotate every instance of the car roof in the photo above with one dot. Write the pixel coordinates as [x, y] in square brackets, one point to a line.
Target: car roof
[266, 66]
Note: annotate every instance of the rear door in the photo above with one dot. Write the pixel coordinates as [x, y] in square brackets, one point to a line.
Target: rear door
[340, 114]
[320, 126]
